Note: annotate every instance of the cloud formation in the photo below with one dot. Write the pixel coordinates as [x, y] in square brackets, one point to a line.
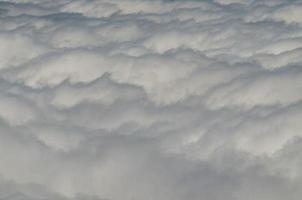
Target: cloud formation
[150, 99]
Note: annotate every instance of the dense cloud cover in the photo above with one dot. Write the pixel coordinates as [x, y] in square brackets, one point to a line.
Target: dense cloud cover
[150, 100]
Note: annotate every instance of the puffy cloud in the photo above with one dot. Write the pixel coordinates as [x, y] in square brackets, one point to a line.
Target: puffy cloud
[150, 99]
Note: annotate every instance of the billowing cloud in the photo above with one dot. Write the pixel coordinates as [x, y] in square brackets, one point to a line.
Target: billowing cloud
[150, 99]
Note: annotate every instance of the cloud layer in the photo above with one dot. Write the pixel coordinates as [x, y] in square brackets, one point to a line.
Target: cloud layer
[150, 99]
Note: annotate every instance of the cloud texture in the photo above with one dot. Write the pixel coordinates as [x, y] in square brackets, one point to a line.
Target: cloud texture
[150, 99]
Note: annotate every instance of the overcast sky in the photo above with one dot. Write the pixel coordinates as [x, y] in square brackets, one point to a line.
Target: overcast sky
[150, 100]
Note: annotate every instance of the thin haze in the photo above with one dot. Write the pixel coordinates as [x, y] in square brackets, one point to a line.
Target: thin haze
[150, 100]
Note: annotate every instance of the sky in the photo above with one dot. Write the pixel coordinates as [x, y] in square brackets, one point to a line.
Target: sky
[150, 100]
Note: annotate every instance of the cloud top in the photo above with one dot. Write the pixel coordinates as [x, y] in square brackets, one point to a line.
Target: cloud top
[150, 99]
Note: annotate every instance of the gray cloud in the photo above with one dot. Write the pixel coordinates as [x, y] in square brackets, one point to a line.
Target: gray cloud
[144, 99]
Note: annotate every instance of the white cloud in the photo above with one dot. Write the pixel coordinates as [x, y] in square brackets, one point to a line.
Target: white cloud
[144, 99]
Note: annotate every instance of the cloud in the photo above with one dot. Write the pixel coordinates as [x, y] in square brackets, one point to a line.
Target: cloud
[144, 99]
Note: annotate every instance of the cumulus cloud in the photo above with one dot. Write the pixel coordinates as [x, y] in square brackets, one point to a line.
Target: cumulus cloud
[150, 99]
